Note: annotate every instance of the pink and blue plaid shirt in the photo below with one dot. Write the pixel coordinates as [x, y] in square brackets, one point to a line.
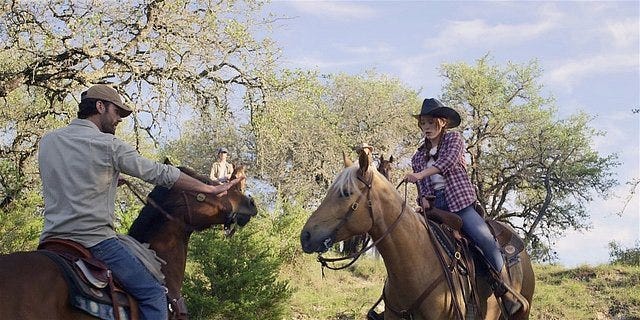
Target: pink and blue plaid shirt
[458, 190]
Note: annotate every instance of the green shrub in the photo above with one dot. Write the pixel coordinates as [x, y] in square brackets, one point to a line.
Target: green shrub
[234, 278]
[624, 256]
[21, 223]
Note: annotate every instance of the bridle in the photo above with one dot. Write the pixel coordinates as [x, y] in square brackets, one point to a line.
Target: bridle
[354, 206]
[230, 218]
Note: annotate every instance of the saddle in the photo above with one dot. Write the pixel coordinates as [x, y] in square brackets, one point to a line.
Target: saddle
[91, 285]
[459, 258]
[465, 261]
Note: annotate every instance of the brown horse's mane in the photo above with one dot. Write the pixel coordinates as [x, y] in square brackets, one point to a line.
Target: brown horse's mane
[150, 219]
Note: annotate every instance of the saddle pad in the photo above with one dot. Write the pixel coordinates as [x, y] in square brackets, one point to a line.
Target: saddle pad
[96, 302]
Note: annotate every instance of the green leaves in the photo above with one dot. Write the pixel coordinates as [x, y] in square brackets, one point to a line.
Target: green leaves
[530, 167]
[235, 278]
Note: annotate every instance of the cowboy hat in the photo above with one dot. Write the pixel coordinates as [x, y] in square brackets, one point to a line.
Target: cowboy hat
[433, 107]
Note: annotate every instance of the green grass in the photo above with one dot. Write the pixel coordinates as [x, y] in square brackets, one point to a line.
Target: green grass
[585, 292]
[340, 295]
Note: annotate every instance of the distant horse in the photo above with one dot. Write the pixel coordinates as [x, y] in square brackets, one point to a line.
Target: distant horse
[360, 201]
[239, 172]
[384, 167]
[32, 286]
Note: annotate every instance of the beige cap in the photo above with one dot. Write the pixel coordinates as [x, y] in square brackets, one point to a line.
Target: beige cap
[106, 93]
[364, 146]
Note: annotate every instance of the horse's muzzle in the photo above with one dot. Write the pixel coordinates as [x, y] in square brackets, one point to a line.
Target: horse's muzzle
[312, 244]
[243, 219]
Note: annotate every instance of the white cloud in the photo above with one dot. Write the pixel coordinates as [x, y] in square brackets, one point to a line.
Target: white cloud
[375, 49]
[625, 33]
[312, 63]
[457, 34]
[591, 247]
[575, 70]
[335, 10]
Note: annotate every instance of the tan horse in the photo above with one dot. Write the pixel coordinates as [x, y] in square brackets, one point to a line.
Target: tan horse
[403, 242]
[32, 286]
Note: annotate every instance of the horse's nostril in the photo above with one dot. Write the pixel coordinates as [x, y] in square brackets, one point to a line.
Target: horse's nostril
[306, 235]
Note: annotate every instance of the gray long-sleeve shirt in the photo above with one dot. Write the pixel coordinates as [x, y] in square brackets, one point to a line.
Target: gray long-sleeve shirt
[79, 168]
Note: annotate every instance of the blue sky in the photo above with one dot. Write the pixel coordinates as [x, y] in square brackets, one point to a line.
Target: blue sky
[589, 52]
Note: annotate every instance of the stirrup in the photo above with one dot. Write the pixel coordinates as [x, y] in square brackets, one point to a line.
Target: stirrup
[511, 307]
[516, 303]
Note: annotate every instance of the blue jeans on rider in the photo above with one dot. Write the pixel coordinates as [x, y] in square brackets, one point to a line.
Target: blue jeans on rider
[134, 277]
[476, 229]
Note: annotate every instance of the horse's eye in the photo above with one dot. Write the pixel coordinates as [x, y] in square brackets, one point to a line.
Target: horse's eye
[344, 193]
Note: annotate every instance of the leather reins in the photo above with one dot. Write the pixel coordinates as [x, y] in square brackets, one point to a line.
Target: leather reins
[354, 206]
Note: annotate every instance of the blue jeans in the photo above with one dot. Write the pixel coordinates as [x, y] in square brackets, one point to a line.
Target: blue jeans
[474, 227]
[134, 277]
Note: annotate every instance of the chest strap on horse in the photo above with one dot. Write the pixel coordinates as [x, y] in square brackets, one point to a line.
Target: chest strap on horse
[407, 313]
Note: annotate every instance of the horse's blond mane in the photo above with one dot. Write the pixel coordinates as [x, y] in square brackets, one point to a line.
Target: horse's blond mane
[346, 182]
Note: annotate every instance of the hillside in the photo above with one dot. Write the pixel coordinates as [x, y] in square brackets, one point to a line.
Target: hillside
[585, 292]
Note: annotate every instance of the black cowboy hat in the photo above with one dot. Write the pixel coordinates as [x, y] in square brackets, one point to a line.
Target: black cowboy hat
[433, 107]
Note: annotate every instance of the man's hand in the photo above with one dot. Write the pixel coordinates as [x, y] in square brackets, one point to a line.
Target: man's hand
[222, 189]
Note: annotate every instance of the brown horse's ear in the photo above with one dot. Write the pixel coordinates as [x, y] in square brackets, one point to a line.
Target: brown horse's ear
[391, 159]
[347, 161]
[167, 161]
[364, 161]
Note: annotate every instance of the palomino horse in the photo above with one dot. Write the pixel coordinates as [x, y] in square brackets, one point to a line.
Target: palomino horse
[360, 201]
[32, 287]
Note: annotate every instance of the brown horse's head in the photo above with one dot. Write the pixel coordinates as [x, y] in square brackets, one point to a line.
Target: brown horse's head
[345, 211]
[384, 167]
[196, 211]
[239, 172]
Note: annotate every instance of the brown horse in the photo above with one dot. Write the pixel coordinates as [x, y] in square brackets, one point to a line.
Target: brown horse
[32, 287]
[361, 200]
[384, 167]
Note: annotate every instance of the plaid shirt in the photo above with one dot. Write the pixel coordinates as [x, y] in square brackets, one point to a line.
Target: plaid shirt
[458, 190]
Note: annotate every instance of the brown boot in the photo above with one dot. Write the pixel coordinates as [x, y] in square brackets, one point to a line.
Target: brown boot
[512, 301]
[511, 305]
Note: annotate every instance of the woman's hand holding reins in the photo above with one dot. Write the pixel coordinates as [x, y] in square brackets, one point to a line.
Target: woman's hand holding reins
[412, 177]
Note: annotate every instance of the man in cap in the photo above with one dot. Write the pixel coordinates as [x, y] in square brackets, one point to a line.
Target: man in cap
[79, 167]
[221, 170]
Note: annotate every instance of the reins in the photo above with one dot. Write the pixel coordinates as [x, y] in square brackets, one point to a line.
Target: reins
[355, 256]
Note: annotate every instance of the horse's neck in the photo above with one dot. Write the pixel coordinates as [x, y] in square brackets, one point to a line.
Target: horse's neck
[407, 247]
[170, 244]
[407, 250]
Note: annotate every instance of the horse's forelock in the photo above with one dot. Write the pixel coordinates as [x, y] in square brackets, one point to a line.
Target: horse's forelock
[347, 180]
